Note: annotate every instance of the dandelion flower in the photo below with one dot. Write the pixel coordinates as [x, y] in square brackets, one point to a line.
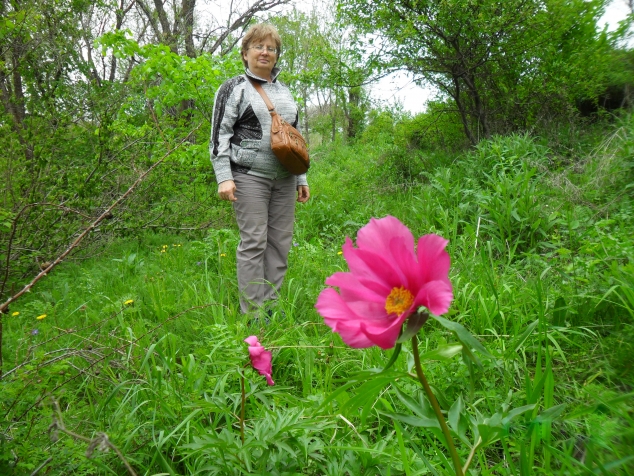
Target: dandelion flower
[128, 302]
[16, 313]
[388, 281]
[40, 317]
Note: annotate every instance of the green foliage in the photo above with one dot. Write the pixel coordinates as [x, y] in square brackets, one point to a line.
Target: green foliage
[503, 66]
[61, 179]
[438, 128]
[142, 337]
[161, 374]
[168, 79]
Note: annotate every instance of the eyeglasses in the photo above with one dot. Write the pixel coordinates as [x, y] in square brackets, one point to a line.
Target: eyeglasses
[260, 48]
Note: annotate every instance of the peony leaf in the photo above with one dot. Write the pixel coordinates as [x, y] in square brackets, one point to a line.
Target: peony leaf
[420, 422]
[442, 352]
[365, 396]
[518, 341]
[366, 376]
[517, 412]
[550, 414]
[413, 325]
[454, 413]
[463, 335]
[397, 350]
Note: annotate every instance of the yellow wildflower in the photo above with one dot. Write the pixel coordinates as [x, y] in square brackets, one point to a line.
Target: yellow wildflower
[223, 254]
[339, 252]
[128, 302]
[16, 313]
[39, 318]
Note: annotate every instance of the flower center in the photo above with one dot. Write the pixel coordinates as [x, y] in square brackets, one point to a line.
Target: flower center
[399, 301]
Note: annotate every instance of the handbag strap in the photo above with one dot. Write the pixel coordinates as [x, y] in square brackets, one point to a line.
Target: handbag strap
[258, 88]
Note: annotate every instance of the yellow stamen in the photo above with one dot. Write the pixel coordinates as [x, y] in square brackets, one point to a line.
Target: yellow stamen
[399, 301]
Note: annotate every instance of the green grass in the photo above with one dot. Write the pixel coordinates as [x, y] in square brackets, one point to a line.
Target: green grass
[543, 272]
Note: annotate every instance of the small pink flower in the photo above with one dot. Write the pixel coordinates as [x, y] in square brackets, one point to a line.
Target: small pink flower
[260, 358]
[388, 281]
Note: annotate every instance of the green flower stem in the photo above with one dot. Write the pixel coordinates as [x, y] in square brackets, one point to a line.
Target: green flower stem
[434, 403]
[242, 408]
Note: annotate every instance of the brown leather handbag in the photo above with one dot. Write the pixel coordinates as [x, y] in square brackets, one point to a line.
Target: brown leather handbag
[288, 145]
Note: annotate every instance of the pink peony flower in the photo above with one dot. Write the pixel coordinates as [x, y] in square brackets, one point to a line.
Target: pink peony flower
[260, 358]
[387, 282]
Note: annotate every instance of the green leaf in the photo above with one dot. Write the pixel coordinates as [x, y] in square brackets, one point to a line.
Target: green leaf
[519, 340]
[489, 432]
[550, 414]
[420, 422]
[454, 414]
[413, 325]
[366, 394]
[462, 334]
[417, 407]
[593, 408]
[397, 351]
[442, 352]
[516, 412]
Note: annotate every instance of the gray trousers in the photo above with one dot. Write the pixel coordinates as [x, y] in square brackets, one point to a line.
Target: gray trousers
[265, 212]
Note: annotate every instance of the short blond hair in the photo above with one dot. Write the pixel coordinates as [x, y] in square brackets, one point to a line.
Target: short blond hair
[258, 33]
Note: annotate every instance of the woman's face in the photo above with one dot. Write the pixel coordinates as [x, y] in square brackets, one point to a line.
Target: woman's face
[261, 57]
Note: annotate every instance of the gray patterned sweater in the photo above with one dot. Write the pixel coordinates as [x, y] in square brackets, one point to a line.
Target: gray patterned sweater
[241, 128]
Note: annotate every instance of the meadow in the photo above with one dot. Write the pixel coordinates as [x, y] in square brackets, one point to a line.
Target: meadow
[132, 361]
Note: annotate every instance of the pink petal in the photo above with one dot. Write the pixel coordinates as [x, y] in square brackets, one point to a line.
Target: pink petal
[340, 318]
[367, 273]
[384, 337]
[377, 235]
[433, 260]
[405, 259]
[354, 290]
[352, 335]
[335, 308]
[252, 340]
[260, 358]
[362, 301]
[435, 296]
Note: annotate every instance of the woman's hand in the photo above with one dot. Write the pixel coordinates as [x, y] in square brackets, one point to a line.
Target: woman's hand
[226, 190]
[303, 194]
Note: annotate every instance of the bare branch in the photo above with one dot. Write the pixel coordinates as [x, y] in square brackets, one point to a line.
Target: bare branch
[244, 19]
[92, 226]
[100, 442]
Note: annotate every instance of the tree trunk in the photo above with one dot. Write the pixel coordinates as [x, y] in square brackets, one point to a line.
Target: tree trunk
[305, 114]
[463, 112]
[188, 27]
[479, 111]
[354, 98]
[333, 115]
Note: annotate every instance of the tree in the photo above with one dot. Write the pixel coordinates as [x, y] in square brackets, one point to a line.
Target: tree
[179, 27]
[324, 69]
[491, 58]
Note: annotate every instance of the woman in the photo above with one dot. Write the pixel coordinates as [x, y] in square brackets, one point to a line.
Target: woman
[263, 192]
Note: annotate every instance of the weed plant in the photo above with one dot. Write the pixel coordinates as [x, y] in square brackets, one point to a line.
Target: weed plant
[145, 342]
